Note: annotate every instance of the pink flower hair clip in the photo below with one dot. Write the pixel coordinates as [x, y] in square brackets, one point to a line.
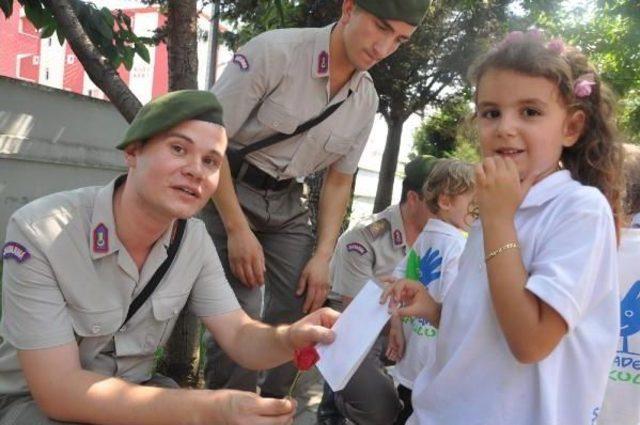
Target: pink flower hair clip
[583, 87]
[556, 46]
[535, 33]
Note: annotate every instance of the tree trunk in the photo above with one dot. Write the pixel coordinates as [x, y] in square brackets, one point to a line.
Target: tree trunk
[182, 44]
[314, 183]
[388, 165]
[181, 358]
[97, 66]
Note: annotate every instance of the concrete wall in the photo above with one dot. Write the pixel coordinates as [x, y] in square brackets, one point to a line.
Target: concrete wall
[52, 140]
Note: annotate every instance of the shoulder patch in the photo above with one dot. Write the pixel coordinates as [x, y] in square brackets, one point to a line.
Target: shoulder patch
[241, 60]
[15, 251]
[378, 228]
[357, 247]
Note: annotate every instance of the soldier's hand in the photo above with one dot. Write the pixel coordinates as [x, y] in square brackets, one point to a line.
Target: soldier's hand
[313, 329]
[246, 257]
[315, 281]
[241, 407]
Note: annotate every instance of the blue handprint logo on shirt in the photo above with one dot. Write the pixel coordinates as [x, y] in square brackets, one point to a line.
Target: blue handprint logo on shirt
[430, 266]
[630, 315]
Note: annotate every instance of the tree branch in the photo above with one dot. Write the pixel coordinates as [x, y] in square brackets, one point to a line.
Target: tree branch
[97, 66]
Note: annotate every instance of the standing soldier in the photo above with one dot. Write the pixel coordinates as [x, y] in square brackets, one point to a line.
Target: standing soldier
[296, 101]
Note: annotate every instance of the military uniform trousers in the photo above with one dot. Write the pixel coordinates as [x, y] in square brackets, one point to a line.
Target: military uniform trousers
[281, 223]
[23, 410]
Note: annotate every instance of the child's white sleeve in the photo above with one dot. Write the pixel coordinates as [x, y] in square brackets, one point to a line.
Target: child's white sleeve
[575, 260]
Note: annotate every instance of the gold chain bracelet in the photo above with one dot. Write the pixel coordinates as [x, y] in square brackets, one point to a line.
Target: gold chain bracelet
[510, 245]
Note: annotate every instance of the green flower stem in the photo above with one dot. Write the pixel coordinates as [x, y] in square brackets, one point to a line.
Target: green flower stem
[295, 381]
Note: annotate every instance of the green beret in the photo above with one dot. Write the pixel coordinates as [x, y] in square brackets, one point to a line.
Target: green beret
[409, 11]
[417, 170]
[169, 110]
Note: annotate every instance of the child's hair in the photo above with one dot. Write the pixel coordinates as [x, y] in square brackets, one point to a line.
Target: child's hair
[596, 158]
[450, 177]
[632, 177]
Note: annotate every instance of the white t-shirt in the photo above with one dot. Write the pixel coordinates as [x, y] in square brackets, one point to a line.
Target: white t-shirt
[568, 244]
[622, 400]
[438, 247]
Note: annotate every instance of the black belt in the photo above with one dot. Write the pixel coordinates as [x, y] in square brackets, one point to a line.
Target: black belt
[258, 179]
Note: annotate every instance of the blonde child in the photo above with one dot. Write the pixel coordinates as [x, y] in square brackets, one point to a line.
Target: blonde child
[433, 259]
[530, 326]
[622, 399]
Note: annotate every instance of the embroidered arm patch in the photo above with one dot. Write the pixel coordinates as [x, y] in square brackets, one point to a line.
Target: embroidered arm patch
[357, 247]
[241, 60]
[13, 250]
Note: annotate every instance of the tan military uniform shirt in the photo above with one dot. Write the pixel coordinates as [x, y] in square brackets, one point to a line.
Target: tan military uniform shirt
[279, 80]
[371, 249]
[68, 278]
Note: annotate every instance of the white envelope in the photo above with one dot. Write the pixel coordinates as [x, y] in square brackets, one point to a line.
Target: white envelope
[356, 330]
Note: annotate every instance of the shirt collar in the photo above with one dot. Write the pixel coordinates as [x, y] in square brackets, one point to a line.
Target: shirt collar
[438, 226]
[103, 239]
[548, 188]
[320, 62]
[398, 237]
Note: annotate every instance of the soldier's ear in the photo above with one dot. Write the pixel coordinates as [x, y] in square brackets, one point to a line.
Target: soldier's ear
[348, 7]
[131, 153]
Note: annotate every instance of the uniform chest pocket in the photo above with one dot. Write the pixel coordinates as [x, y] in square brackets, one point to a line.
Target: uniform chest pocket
[95, 323]
[276, 117]
[166, 308]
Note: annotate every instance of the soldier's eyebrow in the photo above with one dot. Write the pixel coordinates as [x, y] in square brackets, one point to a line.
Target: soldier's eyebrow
[181, 136]
[387, 26]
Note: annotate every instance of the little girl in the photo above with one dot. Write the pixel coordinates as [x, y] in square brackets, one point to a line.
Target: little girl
[530, 326]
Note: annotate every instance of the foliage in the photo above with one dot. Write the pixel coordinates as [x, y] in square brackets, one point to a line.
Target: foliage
[609, 33]
[110, 32]
[252, 17]
[447, 132]
[437, 134]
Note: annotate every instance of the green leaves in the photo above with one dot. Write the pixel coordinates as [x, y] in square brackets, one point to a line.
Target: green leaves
[110, 32]
[37, 14]
[7, 7]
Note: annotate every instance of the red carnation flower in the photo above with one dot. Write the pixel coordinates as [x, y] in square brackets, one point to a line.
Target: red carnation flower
[305, 358]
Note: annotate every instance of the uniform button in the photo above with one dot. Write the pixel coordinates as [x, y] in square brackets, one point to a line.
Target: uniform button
[123, 329]
[175, 311]
[276, 124]
[95, 329]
